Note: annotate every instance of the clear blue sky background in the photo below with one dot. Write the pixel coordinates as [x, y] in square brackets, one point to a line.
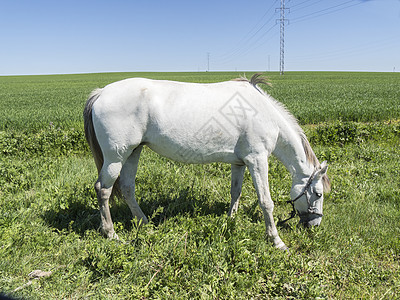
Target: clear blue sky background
[47, 37]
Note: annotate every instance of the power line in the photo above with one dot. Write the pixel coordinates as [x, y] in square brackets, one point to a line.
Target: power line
[245, 50]
[294, 6]
[326, 11]
[251, 40]
[371, 46]
[246, 38]
[255, 37]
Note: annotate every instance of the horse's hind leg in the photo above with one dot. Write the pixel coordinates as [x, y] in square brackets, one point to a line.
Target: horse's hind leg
[237, 173]
[107, 177]
[127, 184]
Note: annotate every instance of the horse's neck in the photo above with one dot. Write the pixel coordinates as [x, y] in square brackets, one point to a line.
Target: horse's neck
[290, 151]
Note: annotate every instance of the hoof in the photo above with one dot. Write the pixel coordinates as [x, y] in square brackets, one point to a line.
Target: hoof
[286, 249]
[111, 235]
[282, 247]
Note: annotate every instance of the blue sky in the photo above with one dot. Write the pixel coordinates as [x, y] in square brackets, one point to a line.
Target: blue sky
[85, 36]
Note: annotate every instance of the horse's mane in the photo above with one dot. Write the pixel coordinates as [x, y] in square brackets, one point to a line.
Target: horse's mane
[257, 79]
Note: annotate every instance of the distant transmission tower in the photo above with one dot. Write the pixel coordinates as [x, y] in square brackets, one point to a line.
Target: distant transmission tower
[282, 44]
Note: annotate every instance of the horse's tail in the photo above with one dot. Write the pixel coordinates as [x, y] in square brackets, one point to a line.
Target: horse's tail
[89, 129]
[91, 138]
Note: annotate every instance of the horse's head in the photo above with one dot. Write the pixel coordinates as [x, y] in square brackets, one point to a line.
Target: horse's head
[308, 196]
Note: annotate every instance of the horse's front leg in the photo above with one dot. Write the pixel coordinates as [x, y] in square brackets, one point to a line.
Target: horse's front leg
[237, 173]
[258, 167]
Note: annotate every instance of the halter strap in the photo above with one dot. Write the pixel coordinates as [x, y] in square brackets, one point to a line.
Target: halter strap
[293, 213]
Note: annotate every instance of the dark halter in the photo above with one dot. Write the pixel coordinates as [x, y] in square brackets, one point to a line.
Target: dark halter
[311, 210]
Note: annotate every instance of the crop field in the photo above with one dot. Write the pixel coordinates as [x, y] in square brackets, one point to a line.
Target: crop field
[50, 246]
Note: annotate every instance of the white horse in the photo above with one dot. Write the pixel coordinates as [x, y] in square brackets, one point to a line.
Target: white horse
[233, 122]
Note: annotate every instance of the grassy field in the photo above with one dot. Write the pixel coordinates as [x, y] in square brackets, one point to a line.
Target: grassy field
[191, 249]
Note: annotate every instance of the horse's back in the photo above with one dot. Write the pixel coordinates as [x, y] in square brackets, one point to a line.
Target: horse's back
[184, 121]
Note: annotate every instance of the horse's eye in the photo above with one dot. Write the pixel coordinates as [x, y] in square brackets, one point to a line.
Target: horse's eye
[319, 195]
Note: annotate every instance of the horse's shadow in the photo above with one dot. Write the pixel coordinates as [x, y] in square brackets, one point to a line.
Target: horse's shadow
[80, 217]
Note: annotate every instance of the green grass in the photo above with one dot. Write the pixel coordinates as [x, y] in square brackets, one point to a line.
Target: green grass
[191, 249]
[331, 96]
[313, 97]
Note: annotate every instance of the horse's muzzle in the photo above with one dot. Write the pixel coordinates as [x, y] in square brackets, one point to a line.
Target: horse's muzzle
[310, 220]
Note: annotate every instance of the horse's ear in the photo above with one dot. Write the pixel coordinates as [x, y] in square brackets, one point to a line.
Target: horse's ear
[322, 170]
[321, 174]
